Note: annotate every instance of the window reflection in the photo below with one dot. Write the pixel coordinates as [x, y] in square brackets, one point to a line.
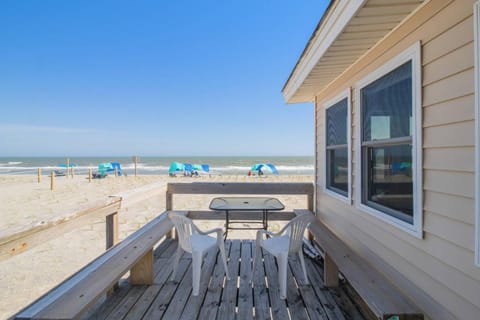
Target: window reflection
[338, 170]
[390, 182]
[337, 148]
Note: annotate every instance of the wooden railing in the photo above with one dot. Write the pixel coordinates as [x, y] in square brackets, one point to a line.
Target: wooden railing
[240, 188]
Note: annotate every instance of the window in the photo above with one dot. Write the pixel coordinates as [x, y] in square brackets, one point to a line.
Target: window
[337, 147]
[389, 144]
[476, 27]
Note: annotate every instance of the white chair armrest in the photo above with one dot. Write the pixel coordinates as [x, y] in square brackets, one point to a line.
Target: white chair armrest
[217, 230]
[269, 233]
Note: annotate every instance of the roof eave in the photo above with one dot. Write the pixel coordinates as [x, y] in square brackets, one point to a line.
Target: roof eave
[348, 30]
[324, 35]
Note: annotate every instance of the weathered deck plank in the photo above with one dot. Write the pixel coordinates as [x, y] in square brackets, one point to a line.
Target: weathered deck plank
[260, 292]
[195, 302]
[279, 306]
[161, 302]
[234, 299]
[229, 296]
[313, 308]
[245, 297]
[214, 293]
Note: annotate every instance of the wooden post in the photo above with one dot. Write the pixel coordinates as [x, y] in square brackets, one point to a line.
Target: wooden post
[330, 271]
[52, 176]
[72, 171]
[168, 207]
[90, 175]
[111, 225]
[67, 162]
[111, 237]
[135, 160]
[116, 172]
[39, 174]
[310, 206]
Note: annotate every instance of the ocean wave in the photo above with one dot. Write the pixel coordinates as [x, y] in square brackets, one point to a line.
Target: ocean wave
[231, 168]
[10, 163]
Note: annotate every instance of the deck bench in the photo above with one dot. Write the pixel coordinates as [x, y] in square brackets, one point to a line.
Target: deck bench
[71, 298]
[380, 295]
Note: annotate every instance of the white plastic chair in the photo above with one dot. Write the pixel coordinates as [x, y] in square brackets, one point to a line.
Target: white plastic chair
[193, 240]
[287, 241]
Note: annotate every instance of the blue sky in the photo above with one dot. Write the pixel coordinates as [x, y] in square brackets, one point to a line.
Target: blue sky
[153, 78]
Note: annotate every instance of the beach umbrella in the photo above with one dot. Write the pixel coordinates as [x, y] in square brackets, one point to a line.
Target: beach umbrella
[176, 166]
[263, 166]
[196, 167]
[105, 167]
[188, 167]
[201, 167]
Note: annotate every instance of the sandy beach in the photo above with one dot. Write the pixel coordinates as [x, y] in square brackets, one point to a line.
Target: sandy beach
[24, 202]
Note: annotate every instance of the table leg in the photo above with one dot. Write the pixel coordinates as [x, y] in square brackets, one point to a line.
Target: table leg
[265, 219]
[227, 224]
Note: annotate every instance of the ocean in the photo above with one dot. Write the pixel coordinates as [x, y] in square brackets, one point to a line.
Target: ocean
[287, 165]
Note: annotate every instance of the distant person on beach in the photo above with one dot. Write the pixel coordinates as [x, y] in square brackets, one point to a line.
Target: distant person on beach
[249, 173]
[260, 172]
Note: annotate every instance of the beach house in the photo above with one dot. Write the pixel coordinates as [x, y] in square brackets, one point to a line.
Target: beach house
[396, 91]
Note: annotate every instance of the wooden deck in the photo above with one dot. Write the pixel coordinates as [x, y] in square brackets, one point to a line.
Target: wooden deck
[234, 299]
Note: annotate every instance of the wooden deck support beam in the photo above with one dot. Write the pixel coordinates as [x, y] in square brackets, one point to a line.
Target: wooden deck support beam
[142, 272]
[330, 271]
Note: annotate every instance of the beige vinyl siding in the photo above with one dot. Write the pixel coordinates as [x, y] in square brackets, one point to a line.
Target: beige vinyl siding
[457, 110]
[438, 271]
[458, 233]
[447, 205]
[449, 159]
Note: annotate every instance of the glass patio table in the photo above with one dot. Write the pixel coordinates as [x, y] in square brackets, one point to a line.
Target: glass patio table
[256, 204]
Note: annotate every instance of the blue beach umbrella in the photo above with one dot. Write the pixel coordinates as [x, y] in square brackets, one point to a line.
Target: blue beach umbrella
[196, 167]
[105, 167]
[201, 167]
[176, 166]
[262, 166]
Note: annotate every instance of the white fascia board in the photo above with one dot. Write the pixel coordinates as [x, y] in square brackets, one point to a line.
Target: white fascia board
[332, 28]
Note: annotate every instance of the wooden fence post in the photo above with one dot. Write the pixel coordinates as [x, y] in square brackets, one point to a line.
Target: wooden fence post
[39, 174]
[89, 175]
[135, 160]
[111, 225]
[67, 162]
[52, 178]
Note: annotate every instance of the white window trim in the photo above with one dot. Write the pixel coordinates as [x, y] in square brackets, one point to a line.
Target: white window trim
[476, 26]
[326, 106]
[410, 54]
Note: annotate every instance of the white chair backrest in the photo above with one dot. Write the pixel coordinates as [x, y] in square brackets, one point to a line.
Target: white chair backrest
[185, 229]
[296, 229]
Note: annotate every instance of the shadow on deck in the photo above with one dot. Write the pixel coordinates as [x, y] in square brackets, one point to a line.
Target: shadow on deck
[233, 299]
